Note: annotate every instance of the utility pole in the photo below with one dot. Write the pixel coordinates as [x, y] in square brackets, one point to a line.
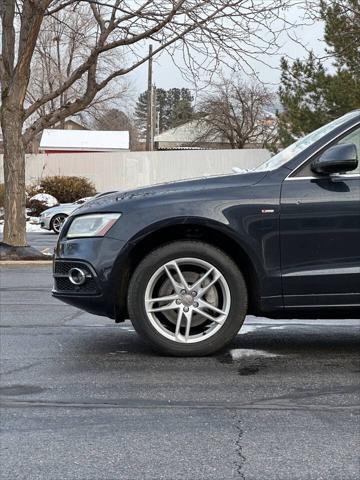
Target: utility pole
[150, 115]
[154, 130]
[157, 122]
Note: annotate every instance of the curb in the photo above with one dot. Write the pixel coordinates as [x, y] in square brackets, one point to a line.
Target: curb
[25, 262]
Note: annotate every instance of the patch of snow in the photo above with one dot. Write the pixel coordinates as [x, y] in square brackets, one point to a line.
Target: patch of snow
[240, 170]
[249, 328]
[84, 140]
[45, 198]
[268, 322]
[31, 228]
[239, 353]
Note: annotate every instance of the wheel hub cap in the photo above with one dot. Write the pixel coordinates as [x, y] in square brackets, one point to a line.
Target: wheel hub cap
[187, 299]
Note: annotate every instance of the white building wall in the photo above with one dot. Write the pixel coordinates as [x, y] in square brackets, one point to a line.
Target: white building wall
[125, 170]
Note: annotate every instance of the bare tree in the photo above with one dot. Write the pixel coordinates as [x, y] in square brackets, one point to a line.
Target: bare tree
[114, 119]
[208, 31]
[236, 112]
[63, 41]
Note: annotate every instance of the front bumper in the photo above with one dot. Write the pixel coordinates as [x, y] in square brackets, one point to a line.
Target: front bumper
[101, 259]
[45, 222]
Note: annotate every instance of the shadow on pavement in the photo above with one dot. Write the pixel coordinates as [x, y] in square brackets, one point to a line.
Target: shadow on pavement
[293, 340]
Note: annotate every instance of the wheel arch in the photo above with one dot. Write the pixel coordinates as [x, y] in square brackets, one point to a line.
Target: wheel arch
[206, 231]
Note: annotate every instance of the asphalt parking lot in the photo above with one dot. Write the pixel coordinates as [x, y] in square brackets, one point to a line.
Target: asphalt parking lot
[83, 398]
[44, 241]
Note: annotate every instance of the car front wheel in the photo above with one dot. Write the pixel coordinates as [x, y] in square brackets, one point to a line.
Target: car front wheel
[187, 298]
[57, 222]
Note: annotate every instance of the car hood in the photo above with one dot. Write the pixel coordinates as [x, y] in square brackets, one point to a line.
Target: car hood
[64, 207]
[171, 188]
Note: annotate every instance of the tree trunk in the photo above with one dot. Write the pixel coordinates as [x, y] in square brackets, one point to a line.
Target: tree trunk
[14, 176]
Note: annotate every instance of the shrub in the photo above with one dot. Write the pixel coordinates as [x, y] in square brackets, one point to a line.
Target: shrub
[2, 194]
[36, 207]
[66, 189]
[32, 190]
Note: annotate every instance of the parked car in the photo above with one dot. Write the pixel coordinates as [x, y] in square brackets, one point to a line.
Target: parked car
[54, 217]
[187, 261]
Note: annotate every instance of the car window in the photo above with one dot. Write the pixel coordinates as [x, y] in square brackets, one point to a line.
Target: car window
[352, 137]
[292, 150]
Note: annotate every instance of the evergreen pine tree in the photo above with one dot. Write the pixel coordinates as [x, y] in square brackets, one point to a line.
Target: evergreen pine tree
[309, 94]
[174, 107]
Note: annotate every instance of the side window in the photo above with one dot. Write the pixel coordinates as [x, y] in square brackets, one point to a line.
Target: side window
[352, 137]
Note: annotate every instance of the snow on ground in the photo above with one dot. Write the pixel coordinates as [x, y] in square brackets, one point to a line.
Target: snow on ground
[239, 353]
[262, 322]
[30, 227]
[250, 328]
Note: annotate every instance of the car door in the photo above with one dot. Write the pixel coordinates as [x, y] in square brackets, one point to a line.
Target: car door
[320, 236]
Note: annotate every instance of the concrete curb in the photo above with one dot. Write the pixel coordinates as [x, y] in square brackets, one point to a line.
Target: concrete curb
[25, 262]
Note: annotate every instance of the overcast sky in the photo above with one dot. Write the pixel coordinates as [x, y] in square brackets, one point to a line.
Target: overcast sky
[167, 75]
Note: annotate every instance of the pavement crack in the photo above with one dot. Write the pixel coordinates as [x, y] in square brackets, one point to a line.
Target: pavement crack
[72, 316]
[240, 457]
[19, 369]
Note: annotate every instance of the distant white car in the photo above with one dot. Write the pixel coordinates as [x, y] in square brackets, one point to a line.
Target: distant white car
[54, 217]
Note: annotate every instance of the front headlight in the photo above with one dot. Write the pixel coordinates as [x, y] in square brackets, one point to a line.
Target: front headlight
[96, 225]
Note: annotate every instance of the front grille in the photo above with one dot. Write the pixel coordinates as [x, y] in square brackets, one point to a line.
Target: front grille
[62, 283]
[65, 285]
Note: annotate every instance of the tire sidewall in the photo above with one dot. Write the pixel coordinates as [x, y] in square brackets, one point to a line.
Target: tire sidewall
[181, 249]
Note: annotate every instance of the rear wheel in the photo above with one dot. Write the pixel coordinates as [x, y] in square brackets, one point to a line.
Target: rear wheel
[57, 222]
[187, 298]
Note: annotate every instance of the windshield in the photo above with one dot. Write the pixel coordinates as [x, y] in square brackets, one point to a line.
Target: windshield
[288, 153]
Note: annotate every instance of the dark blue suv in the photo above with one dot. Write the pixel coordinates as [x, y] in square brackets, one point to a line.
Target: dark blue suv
[187, 261]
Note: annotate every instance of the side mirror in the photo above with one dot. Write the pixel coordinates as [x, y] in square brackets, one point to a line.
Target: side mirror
[338, 159]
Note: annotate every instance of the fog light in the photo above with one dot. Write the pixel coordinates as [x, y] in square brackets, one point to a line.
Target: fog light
[77, 276]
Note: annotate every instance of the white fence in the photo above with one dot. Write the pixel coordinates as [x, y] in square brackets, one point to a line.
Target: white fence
[124, 170]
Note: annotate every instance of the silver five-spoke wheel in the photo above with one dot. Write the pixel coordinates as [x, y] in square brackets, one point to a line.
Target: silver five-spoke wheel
[187, 300]
[187, 297]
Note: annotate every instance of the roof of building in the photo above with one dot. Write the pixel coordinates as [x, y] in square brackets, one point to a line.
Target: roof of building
[84, 140]
[71, 124]
[189, 132]
[194, 133]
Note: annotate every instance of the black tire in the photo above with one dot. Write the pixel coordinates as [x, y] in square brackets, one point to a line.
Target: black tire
[55, 221]
[194, 249]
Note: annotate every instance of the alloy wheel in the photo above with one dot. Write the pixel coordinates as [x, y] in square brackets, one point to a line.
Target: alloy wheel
[187, 300]
[58, 222]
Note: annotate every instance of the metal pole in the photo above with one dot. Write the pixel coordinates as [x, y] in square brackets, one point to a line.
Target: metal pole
[153, 131]
[149, 113]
